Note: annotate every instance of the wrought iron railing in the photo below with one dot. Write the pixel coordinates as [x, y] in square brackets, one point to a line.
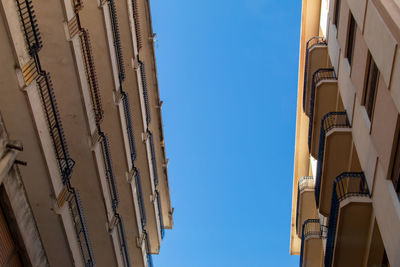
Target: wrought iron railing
[121, 76]
[329, 121]
[122, 241]
[129, 126]
[34, 44]
[91, 73]
[153, 159]
[109, 171]
[348, 184]
[137, 23]
[149, 257]
[162, 229]
[145, 91]
[82, 234]
[305, 182]
[311, 229]
[65, 163]
[77, 4]
[117, 40]
[310, 44]
[142, 209]
[30, 26]
[326, 74]
[96, 100]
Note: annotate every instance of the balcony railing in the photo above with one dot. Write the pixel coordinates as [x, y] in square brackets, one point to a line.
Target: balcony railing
[318, 76]
[348, 184]
[162, 229]
[128, 120]
[34, 44]
[145, 91]
[65, 163]
[117, 40]
[311, 228]
[149, 258]
[82, 235]
[306, 182]
[109, 171]
[91, 73]
[142, 209]
[122, 241]
[310, 44]
[329, 121]
[137, 24]
[153, 158]
[121, 76]
[29, 25]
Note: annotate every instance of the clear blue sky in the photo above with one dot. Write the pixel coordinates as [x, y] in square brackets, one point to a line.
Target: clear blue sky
[228, 77]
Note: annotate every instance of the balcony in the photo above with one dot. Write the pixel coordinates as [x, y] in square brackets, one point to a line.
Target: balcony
[312, 235]
[81, 230]
[122, 241]
[349, 221]
[324, 92]
[305, 202]
[333, 156]
[316, 58]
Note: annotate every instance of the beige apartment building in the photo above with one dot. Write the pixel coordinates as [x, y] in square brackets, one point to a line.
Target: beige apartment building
[346, 188]
[83, 167]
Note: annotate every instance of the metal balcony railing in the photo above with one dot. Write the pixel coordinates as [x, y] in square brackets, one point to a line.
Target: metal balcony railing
[77, 4]
[117, 40]
[348, 184]
[29, 25]
[121, 76]
[122, 241]
[34, 44]
[162, 229]
[148, 253]
[82, 234]
[329, 121]
[97, 106]
[137, 24]
[310, 44]
[305, 182]
[311, 228]
[128, 120]
[153, 158]
[109, 171]
[327, 74]
[91, 73]
[65, 163]
[138, 181]
[145, 91]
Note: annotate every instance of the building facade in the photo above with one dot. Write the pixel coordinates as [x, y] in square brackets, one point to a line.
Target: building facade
[346, 209]
[83, 167]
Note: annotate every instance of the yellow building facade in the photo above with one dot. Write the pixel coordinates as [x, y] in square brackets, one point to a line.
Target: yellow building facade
[83, 167]
[346, 209]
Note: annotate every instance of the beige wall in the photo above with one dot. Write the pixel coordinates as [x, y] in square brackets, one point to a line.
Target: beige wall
[378, 34]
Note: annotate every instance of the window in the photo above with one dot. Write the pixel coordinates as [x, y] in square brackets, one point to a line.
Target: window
[337, 13]
[350, 39]
[371, 86]
[396, 165]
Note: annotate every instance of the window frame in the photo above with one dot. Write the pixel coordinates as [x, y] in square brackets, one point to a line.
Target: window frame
[395, 160]
[371, 83]
[351, 38]
[336, 14]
